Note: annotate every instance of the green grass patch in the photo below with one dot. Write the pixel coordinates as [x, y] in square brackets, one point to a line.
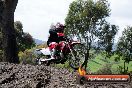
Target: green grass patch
[99, 61]
[93, 67]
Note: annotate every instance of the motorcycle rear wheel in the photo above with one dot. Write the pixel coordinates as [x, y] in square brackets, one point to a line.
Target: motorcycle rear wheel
[77, 56]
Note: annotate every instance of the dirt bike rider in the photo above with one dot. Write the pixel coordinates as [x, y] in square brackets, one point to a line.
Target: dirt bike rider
[56, 35]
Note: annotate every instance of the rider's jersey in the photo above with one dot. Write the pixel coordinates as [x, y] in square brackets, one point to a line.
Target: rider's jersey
[61, 37]
[53, 37]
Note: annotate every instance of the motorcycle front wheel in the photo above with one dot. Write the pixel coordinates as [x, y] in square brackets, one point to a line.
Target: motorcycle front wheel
[77, 56]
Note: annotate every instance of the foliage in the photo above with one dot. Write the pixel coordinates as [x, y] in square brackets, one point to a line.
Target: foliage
[27, 57]
[122, 70]
[106, 36]
[24, 40]
[124, 46]
[85, 16]
[86, 20]
[115, 57]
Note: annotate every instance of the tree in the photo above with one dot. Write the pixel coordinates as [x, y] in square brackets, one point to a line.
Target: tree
[24, 40]
[106, 37]
[7, 9]
[84, 19]
[124, 46]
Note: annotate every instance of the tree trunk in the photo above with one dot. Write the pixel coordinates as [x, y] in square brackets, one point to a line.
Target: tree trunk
[87, 54]
[9, 36]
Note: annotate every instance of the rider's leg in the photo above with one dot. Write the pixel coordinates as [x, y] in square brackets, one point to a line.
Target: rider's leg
[53, 51]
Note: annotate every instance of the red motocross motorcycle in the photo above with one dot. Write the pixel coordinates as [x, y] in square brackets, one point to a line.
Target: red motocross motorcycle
[69, 50]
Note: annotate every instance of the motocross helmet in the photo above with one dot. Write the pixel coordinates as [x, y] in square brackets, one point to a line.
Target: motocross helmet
[60, 27]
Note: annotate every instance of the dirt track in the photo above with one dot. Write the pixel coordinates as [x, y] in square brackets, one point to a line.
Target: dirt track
[29, 76]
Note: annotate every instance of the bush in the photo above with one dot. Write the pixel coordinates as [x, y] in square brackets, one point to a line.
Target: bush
[27, 57]
[115, 57]
[122, 70]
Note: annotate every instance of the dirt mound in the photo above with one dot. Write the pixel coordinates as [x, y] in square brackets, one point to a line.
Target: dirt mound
[16, 75]
[39, 76]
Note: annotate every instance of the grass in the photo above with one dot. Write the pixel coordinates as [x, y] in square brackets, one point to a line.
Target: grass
[99, 61]
[95, 64]
[93, 67]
